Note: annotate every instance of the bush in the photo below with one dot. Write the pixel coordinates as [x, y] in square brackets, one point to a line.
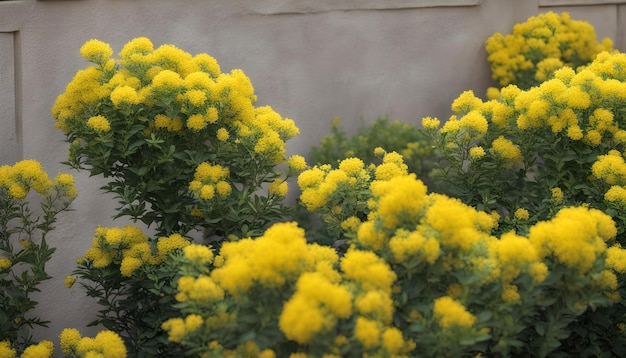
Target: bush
[540, 46]
[29, 205]
[183, 148]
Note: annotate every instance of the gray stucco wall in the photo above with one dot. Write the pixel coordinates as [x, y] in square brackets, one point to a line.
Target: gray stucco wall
[311, 60]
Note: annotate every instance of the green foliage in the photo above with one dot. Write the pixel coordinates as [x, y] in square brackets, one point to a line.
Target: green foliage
[25, 222]
[135, 306]
[393, 136]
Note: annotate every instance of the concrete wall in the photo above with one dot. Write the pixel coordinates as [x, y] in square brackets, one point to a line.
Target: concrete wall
[311, 60]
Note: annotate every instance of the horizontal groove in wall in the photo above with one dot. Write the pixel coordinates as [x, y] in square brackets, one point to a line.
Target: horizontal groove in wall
[272, 7]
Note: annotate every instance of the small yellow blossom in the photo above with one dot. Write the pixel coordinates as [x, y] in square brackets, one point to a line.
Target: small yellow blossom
[450, 312]
[222, 134]
[99, 124]
[278, 187]
[5, 264]
[522, 214]
[476, 152]
[430, 123]
[69, 281]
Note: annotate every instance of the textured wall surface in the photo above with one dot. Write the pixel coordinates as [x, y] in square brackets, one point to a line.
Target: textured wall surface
[311, 60]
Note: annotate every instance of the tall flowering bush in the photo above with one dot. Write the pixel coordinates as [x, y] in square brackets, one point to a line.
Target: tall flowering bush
[30, 203]
[181, 143]
[182, 146]
[528, 153]
[539, 46]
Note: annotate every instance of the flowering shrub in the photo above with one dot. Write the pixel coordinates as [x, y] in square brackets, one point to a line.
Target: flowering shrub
[422, 274]
[540, 46]
[527, 154]
[156, 120]
[24, 250]
[183, 148]
[551, 146]
[279, 295]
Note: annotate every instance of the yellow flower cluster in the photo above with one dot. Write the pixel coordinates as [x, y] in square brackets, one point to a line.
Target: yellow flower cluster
[177, 327]
[182, 94]
[506, 150]
[209, 180]
[472, 125]
[43, 349]
[541, 45]
[130, 248]
[513, 255]
[576, 237]
[449, 312]
[316, 305]
[322, 185]
[104, 344]
[17, 180]
[277, 258]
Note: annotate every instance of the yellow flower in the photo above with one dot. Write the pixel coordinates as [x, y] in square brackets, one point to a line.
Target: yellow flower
[43, 349]
[430, 123]
[69, 281]
[510, 294]
[207, 192]
[196, 97]
[393, 341]
[522, 214]
[69, 338]
[401, 196]
[223, 188]
[616, 258]
[129, 265]
[450, 312]
[367, 269]
[538, 271]
[99, 124]
[222, 134]
[5, 264]
[466, 103]
[557, 195]
[165, 245]
[476, 152]
[167, 78]
[376, 304]
[301, 319]
[193, 322]
[575, 236]
[198, 253]
[196, 122]
[6, 350]
[278, 187]
[351, 166]
[367, 332]
[315, 306]
[507, 150]
[296, 163]
[175, 328]
[124, 95]
[110, 344]
[96, 51]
